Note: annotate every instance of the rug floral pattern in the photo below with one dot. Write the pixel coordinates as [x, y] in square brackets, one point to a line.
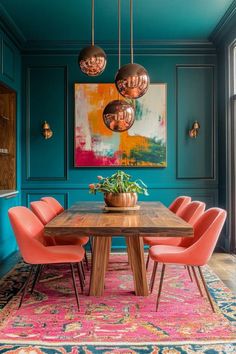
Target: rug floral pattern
[118, 322]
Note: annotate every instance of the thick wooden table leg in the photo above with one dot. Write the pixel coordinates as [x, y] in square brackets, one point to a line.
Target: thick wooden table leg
[136, 257]
[128, 251]
[100, 257]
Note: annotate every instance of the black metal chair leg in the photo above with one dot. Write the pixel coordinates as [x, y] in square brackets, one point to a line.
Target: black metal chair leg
[81, 266]
[206, 289]
[83, 272]
[26, 286]
[80, 277]
[197, 281]
[154, 271]
[91, 244]
[74, 284]
[189, 273]
[37, 276]
[86, 260]
[147, 262]
[160, 286]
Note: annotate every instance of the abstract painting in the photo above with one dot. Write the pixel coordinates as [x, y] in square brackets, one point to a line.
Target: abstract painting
[143, 145]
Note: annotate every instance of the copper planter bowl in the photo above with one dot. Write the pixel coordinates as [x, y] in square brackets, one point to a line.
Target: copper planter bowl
[120, 199]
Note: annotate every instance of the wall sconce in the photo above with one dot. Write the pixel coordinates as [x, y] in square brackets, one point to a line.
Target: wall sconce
[46, 130]
[193, 133]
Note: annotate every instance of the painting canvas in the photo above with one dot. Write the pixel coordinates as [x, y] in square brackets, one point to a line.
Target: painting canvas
[143, 145]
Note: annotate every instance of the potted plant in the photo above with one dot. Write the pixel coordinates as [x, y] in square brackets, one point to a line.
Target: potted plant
[119, 190]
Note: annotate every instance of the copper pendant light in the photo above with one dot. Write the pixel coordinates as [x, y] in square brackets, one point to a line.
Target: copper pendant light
[132, 80]
[118, 115]
[92, 60]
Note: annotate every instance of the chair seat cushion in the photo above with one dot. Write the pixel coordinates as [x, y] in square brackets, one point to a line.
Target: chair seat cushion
[166, 254]
[66, 240]
[60, 254]
[153, 241]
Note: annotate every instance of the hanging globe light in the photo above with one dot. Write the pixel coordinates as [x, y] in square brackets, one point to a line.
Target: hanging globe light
[92, 60]
[132, 80]
[118, 115]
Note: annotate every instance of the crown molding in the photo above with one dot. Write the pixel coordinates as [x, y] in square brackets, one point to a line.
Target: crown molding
[140, 47]
[151, 47]
[221, 28]
[13, 31]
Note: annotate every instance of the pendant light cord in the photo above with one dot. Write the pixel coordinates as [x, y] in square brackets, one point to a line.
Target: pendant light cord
[131, 42]
[92, 20]
[119, 36]
[131, 32]
[119, 39]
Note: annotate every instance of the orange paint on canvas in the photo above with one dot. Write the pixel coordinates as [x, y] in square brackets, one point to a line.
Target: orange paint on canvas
[98, 99]
[96, 145]
[127, 144]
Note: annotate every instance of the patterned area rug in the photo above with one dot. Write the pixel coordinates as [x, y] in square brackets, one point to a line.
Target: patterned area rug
[118, 322]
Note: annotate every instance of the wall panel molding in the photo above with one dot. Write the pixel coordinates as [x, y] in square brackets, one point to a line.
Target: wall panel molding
[39, 195]
[52, 47]
[29, 176]
[8, 61]
[83, 186]
[70, 196]
[183, 142]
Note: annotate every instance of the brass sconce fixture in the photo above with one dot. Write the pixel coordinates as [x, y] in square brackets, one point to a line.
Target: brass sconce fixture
[46, 130]
[193, 133]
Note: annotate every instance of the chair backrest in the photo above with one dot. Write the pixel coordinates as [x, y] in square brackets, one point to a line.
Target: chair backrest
[54, 204]
[29, 233]
[206, 233]
[43, 211]
[191, 213]
[179, 204]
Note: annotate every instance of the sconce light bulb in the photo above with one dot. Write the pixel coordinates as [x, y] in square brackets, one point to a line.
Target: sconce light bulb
[193, 133]
[46, 130]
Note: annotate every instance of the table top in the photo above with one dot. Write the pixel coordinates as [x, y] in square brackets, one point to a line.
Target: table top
[89, 218]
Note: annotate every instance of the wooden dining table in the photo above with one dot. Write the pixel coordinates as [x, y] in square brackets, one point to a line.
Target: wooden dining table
[90, 219]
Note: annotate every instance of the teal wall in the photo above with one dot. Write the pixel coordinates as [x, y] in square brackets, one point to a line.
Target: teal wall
[8, 241]
[47, 166]
[43, 77]
[10, 75]
[223, 39]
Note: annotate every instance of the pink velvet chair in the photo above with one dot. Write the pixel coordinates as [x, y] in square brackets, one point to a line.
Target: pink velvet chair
[179, 204]
[190, 213]
[58, 208]
[206, 233]
[29, 233]
[45, 214]
[54, 204]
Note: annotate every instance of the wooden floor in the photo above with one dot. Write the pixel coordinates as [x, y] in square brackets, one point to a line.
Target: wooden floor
[223, 264]
[8, 264]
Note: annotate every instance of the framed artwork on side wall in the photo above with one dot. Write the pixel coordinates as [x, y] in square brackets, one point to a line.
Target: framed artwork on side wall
[143, 145]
